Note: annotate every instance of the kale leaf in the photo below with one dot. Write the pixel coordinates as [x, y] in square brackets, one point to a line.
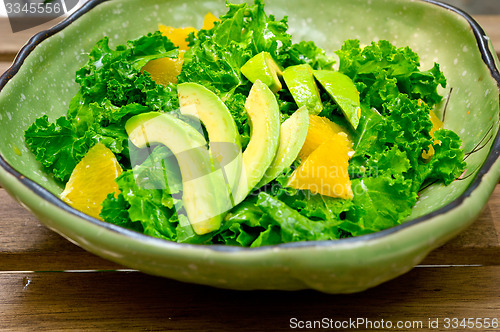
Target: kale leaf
[112, 89]
[381, 71]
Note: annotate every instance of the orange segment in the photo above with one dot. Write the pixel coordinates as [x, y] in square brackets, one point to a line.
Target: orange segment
[92, 180]
[165, 70]
[436, 125]
[320, 130]
[177, 35]
[325, 171]
[209, 21]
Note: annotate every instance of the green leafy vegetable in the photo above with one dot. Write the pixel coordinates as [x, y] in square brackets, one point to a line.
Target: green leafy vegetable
[57, 145]
[387, 169]
[216, 56]
[112, 89]
[382, 71]
[380, 202]
[447, 163]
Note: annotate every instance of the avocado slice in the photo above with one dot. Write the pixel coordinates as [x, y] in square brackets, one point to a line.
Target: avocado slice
[263, 67]
[204, 199]
[293, 134]
[342, 89]
[302, 85]
[197, 101]
[263, 112]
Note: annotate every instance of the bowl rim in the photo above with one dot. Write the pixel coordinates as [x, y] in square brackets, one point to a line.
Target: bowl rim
[493, 156]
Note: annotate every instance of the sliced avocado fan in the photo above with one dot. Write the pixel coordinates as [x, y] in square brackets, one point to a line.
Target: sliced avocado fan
[302, 85]
[197, 101]
[343, 91]
[262, 67]
[293, 134]
[205, 197]
[263, 112]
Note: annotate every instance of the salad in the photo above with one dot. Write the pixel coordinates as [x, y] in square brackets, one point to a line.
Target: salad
[234, 134]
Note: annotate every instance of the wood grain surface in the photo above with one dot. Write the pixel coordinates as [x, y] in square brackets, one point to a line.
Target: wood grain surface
[119, 301]
[49, 284]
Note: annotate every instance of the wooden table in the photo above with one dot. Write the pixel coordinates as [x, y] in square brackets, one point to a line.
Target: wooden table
[47, 283]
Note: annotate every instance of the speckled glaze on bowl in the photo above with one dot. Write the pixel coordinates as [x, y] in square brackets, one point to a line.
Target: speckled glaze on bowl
[41, 82]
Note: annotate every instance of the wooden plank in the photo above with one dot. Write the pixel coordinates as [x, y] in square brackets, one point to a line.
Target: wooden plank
[4, 66]
[11, 42]
[25, 244]
[479, 244]
[133, 301]
[494, 205]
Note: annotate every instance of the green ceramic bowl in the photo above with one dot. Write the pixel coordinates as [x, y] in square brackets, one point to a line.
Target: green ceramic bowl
[41, 82]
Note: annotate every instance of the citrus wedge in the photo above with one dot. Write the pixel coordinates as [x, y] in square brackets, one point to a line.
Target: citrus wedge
[177, 35]
[92, 180]
[209, 21]
[320, 130]
[165, 70]
[325, 170]
[436, 125]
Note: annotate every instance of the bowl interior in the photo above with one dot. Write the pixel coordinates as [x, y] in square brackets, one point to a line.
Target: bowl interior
[45, 83]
